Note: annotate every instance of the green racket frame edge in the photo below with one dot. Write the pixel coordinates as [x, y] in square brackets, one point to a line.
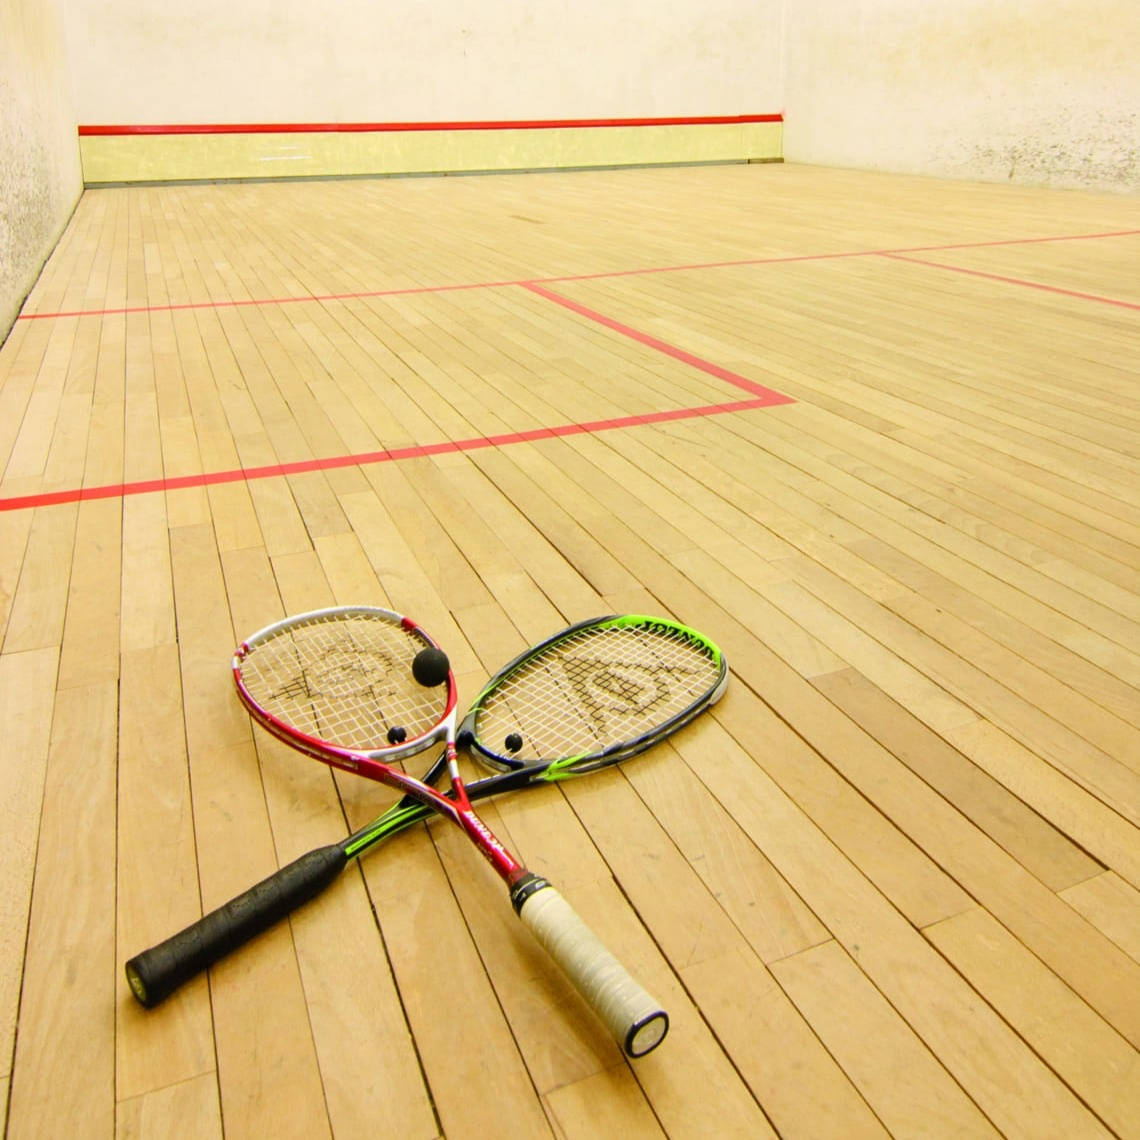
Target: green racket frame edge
[566, 767]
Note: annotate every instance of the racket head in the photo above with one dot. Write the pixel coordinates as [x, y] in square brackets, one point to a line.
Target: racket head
[332, 683]
[594, 694]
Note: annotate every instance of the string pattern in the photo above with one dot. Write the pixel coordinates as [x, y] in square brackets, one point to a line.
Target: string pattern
[345, 679]
[599, 688]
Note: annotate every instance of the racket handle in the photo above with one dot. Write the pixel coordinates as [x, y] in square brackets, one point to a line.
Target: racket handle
[156, 973]
[637, 1022]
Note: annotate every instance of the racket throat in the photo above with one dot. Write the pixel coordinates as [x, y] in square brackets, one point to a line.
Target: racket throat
[493, 851]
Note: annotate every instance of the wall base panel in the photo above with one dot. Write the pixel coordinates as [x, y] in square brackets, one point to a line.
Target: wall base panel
[261, 154]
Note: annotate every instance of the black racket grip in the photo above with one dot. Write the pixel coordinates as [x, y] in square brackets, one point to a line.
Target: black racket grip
[156, 973]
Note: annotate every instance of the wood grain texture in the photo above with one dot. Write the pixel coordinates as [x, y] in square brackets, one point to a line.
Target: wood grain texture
[889, 886]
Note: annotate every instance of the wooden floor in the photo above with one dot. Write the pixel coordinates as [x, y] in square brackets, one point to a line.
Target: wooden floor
[891, 886]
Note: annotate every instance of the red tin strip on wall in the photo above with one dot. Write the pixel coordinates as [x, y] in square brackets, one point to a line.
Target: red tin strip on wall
[89, 130]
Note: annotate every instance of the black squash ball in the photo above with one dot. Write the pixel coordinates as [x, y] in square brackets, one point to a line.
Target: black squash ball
[430, 667]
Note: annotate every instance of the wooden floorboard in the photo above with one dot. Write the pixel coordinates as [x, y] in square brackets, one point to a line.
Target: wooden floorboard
[877, 436]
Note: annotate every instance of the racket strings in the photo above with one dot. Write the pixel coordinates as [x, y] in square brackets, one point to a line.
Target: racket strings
[345, 681]
[597, 689]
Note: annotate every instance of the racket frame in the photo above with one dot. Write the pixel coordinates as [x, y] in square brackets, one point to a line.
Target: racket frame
[349, 759]
[568, 766]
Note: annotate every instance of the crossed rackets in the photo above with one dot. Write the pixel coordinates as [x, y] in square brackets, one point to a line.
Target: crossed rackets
[361, 688]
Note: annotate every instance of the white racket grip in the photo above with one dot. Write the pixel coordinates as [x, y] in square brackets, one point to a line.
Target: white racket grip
[637, 1022]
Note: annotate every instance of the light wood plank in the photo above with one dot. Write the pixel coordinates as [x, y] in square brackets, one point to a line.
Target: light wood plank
[1098, 1064]
[1097, 828]
[64, 1074]
[915, 808]
[768, 913]
[799, 1084]
[267, 1066]
[157, 890]
[976, 1047]
[190, 1106]
[1036, 845]
[910, 1092]
[14, 529]
[1112, 906]
[40, 600]
[427, 942]
[27, 700]
[90, 650]
[610, 1100]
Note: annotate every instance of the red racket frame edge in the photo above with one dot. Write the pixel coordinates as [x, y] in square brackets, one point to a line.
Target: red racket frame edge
[457, 808]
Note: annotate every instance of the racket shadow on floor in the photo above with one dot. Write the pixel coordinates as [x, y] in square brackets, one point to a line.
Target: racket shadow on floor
[362, 688]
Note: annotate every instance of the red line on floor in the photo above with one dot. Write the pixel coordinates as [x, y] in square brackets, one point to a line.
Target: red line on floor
[1016, 281]
[832, 256]
[247, 474]
[366, 293]
[766, 394]
[255, 301]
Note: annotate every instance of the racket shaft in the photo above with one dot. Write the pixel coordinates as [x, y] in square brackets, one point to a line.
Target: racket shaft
[636, 1021]
[157, 972]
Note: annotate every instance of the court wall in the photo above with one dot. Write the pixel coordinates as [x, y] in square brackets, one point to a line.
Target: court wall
[39, 156]
[452, 86]
[1031, 91]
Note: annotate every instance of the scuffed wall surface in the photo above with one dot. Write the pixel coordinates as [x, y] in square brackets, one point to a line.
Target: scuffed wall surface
[39, 151]
[1043, 92]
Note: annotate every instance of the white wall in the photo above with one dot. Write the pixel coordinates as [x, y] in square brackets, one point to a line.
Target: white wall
[1037, 91]
[39, 152]
[1033, 91]
[282, 61]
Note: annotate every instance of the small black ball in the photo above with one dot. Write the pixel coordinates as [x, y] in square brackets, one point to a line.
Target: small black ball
[397, 734]
[513, 742]
[430, 667]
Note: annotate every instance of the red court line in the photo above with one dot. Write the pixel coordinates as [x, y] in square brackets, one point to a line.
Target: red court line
[761, 398]
[1017, 281]
[247, 474]
[245, 303]
[768, 395]
[835, 256]
[105, 130]
[364, 294]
